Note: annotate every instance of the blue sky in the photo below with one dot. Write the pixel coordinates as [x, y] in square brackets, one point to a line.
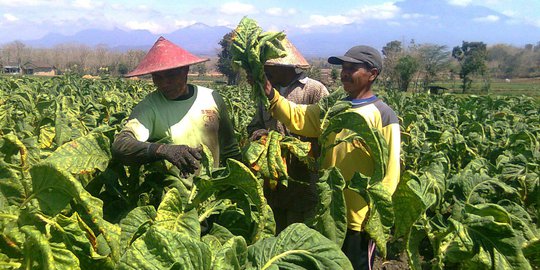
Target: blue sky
[32, 19]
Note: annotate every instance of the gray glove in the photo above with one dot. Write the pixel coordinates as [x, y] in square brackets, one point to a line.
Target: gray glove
[257, 134]
[182, 156]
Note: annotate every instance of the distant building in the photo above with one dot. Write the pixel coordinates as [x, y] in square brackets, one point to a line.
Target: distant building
[36, 68]
[11, 68]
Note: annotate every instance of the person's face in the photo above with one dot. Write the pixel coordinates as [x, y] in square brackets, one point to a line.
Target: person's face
[171, 83]
[279, 75]
[357, 78]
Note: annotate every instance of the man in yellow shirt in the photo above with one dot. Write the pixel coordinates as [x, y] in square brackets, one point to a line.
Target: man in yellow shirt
[360, 67]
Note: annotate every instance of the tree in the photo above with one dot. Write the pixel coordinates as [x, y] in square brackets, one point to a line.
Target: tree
[334, 74]
[392, 51]
[406, 67]
[224, 64]
[433, 60]
[122, 69]
[201, 69]
[472, 59]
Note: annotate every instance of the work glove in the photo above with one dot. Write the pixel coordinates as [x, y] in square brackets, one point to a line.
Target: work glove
[257, 134]
[181, 156]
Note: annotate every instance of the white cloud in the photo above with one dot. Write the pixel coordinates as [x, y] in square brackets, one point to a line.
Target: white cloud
[183, 23]
[509, 13]
[153, 27]
[489, 18]
[409, 16]
[10, 17]
[384, 11]
[462, 3]
[237, 8]
[31, 3]
[376, 12]
[87, 4]
[278, 12]
[315, 20]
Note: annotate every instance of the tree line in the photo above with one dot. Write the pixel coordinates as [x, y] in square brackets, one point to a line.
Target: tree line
[406, 66]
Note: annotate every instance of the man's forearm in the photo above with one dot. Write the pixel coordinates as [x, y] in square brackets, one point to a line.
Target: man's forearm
[129, 151]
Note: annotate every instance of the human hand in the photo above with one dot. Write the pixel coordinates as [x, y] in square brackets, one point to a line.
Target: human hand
[267, 86]
[182, 156]
[268, 89]
[257, 134]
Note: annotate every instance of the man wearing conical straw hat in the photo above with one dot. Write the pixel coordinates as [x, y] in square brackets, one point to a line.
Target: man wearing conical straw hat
[287, 75]
[183, 114]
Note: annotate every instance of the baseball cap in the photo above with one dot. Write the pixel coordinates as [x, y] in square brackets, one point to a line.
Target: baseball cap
[359, 54]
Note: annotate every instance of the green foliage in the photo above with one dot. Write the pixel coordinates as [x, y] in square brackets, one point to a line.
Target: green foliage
[468, 197]
[472, 57]
[406, 67]
[225, 60]
[251, 48]
[297, 247]
[464, 201]
[267, 156]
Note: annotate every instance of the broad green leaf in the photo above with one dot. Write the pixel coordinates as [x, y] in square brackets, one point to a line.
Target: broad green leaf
[12, 190]
[331, 217]
[9, 263]
[531, 251]
[80, 240]
[232, 255]
[11, 238]
[251, 48]
[207, 160]
[380, 214]
[521, 221]
[413, 243]
[497, 239]
[53, 188]
[297, 247]
[371, 137]
[160, 248]
[13, 146]
[83, 155]
[47, 255]
[221, 233]
[410, 200]
[172, 215]
[46, 136]
[136, 223]
[91, 211]
[239, 177]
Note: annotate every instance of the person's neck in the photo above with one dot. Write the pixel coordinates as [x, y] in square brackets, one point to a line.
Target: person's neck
[362, 94]
[182, 93]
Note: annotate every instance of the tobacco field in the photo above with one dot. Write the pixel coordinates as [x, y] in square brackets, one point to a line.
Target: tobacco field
[468, 198]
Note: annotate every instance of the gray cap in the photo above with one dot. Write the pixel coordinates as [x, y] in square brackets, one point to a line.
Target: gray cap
[359, 54]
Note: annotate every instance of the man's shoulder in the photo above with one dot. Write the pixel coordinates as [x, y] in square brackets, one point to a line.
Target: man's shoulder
[316, 86]
[388, 115]
[203, 89]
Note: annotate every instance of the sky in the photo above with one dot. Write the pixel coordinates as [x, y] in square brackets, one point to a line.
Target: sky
[32, 19]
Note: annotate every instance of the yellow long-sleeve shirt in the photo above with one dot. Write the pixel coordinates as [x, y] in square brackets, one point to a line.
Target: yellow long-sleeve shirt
[305, 120]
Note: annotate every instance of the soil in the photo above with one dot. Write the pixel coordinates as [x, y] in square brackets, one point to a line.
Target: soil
[397, 263]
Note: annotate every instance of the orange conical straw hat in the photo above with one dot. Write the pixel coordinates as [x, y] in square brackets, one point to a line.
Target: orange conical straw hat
[162, 56]
[293, 58]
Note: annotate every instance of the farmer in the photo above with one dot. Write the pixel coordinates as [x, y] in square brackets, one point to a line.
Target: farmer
[287, 76]
[183, 114]
[360, 67]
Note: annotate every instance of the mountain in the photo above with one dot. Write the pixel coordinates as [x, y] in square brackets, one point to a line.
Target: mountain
[197, 38]
[92, 37]
[438, 23]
